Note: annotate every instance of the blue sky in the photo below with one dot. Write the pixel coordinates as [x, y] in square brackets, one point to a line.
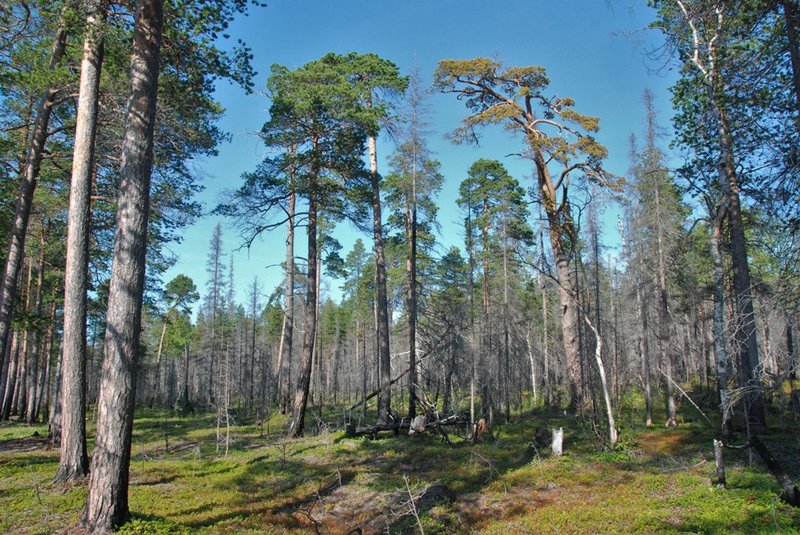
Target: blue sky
[593, 51]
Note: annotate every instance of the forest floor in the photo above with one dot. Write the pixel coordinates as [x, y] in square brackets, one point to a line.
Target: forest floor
[656, 481]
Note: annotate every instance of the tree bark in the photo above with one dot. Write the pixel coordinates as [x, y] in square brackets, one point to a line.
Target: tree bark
[718, 320]
[22, 210]
[11, 376]
[35, 349]
[382, 301]
[74, 461]
[561, 230]
[612, 428]
[505, 383]
[304, 381]
[745, 333]
[107, 501]
[412, 292]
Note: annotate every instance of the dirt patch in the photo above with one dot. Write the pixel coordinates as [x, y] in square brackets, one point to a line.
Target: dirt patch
[476, 508]
[26, 445]
[352, 507]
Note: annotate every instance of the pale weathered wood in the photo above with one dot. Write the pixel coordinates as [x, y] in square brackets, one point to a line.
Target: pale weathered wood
[719, 462]
[557, 447]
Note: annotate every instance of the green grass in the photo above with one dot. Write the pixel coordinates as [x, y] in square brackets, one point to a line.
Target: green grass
[656, 481]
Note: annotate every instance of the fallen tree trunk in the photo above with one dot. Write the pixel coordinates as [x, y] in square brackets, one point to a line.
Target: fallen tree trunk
[791, 494]
[402, 425]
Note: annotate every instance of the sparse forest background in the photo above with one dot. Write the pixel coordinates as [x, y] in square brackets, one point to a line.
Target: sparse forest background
[695, 311]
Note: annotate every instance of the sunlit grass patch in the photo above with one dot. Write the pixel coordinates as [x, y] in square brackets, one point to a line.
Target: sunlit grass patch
[657, 480]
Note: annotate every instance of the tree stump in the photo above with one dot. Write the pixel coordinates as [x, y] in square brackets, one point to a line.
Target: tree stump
[417, 425]
[719, 462]
[557, 447]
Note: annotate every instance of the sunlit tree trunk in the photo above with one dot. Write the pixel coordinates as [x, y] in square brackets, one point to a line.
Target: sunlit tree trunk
[107, 501]
[382, 302]
[598, 351]
[561, 230]
[304, 381]
[74, 460]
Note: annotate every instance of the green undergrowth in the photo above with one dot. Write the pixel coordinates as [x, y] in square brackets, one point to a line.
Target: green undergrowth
[656, 481]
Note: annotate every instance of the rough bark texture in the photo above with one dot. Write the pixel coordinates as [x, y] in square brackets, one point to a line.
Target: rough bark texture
[74, 461]
[27, 185]
[107, 502]
[309, 335]
[561, 230]
[382, 302]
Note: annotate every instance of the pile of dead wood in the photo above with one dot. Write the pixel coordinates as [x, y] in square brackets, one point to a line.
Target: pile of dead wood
[418, 426]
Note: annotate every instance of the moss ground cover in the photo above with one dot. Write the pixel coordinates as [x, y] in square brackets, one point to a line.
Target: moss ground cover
[658, 481]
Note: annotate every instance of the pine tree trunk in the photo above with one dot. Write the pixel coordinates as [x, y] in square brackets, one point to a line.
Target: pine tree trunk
[43, 390]
[304, 381]
[644, 351]
[11, 376]
[156, 395]
[598, 351]
[107, 501]
[55, 415]
[505, 383]
[411, 269]
[561, 231]
[74, 461]
[745, 333]
[185, 397]
[663, 316]
[718, 320]
[20, 391]
[27, 185]
[382, 302]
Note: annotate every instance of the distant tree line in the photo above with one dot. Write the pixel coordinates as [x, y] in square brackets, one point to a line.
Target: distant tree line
[104, 104]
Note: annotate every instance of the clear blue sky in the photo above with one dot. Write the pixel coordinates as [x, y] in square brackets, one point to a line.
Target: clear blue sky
[593, 50]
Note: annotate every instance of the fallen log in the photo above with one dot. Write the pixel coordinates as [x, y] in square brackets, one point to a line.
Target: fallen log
[393, 381]
[401, 426]
[791, 494]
